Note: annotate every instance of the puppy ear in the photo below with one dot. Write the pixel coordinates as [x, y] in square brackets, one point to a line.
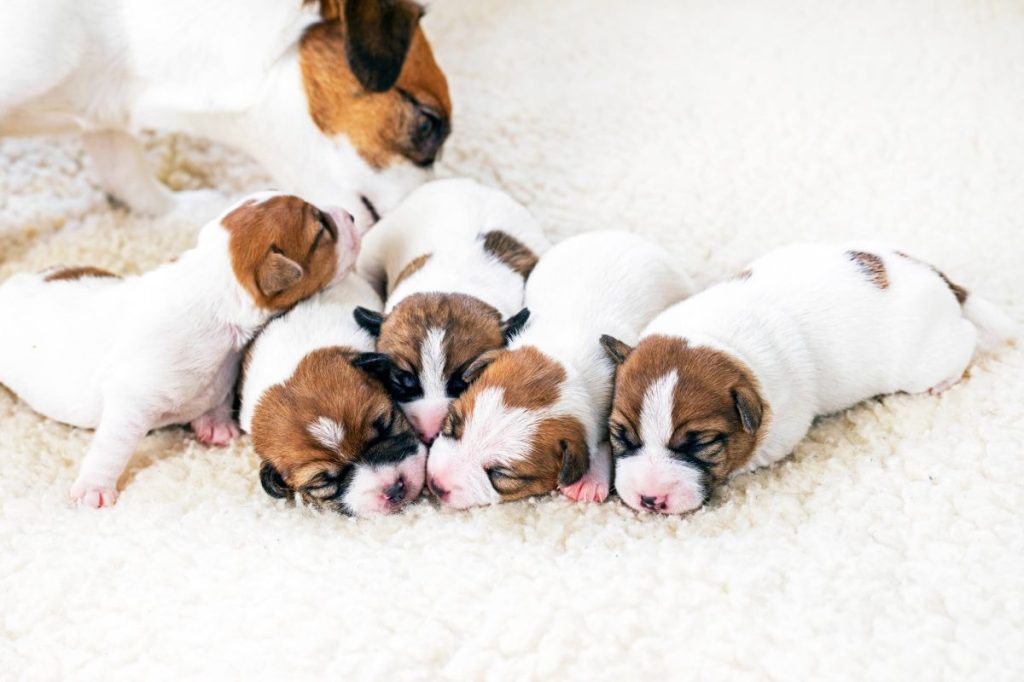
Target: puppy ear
[514, 324]
[748, 405]
[329, 9]
[375, 364]
[369, 320]
[616, 350]
[272, 481]
[276, 273]
[474, 369]
[377, 38]
[575, 462]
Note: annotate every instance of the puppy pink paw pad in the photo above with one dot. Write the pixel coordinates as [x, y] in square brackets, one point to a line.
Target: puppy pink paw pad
[213, 431]
[943, 386]
[96, 497]
[586, 490]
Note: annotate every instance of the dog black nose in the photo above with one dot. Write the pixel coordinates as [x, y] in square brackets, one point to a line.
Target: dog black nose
[649, 502]
[396, 493]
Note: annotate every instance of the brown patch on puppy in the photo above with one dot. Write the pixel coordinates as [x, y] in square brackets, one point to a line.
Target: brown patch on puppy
[872, 266]
[715, 394]
[324, 385]
[411, 268]
[959, 292]
[351, 89]
[278, 252]
[510, 251]
[471, 329]
[73, 273]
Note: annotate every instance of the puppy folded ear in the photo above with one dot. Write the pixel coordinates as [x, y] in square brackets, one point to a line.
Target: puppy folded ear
[329, 9]
[514, 324]
[377, 38]
[473, 369]
[272, 482]
[575, 462]
[748, 406]
[375, 364]
[369, 320]
[276, 273]
[616, 350]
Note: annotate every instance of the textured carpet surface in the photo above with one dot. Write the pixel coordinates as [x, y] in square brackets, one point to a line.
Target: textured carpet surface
[889, 546]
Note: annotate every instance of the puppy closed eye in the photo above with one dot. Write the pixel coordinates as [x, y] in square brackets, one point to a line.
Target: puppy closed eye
[505, 481]
[405, 385]
[324, 486]
[326, 234]
[703, 446]
[452, 427]
[623, 442]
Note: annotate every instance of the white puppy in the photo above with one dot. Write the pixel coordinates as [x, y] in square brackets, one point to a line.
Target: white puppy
[339, 101]
[731, 379]
[537, 416]
[454, 258]
[125, 356]
[325, 429]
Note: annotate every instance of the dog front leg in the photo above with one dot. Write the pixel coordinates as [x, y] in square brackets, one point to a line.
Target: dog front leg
[120, 430]
[216, 426]
[124, 174]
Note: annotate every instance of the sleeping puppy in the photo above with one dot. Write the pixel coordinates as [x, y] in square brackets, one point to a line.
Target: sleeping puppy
[324, 428]
[340, 100]
[124, 356]
[536, 418]
[731, 379]
[454, 258]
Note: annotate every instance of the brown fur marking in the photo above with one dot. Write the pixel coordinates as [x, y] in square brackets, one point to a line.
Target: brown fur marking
[704, 397]
[510, 251]
[411, 268]
[872, 266]
[73, 273]
[378, 124]
[265, 233]
[959, 292]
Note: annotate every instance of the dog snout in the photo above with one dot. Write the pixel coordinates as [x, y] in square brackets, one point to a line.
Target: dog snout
[654, 503]
[395, 493]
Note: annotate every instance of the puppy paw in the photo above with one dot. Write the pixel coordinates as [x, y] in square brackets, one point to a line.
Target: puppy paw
[86, 494]
[590, 488]
[943, 386]
[215, 430]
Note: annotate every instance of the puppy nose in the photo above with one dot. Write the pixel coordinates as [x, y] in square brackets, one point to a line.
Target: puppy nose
[427, 428]
[396, 493]
[652, 502]
[437, 489]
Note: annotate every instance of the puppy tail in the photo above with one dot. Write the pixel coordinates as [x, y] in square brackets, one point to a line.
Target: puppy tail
[995, 327]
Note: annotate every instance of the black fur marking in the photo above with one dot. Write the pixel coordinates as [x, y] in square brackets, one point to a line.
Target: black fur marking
[378, 34]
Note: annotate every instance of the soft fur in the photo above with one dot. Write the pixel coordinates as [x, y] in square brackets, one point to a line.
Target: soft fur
[340, 107]
[125, 356]
[731, 379]
[536, 418]
[887, 547]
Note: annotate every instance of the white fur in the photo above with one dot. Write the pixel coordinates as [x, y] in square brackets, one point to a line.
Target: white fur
[447, 219]
[618, 283]
[819, 337]
[225, 70]
[124, 356]
[327, 432]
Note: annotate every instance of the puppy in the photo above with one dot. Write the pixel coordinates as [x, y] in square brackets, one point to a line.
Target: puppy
[325, 95]
[731, 379]
[454, 258]
[125, 356]
[323, 426]
[536, 417]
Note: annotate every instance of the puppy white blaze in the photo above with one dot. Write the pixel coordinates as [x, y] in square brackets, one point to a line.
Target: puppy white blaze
[327, 432]
[656, 410]
[653, 472]
[432, 364]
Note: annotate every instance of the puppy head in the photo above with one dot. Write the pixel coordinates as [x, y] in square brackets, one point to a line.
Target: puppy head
[332, 435]
[503, 439]
[431, 347]
[370, 79]
[284, 249]
[683, 419]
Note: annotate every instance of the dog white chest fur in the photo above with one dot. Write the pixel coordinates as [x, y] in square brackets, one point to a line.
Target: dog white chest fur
[822, 327]
[585, 286]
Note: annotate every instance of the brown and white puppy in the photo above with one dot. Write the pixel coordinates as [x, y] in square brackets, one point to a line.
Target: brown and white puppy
[536, 418]
[454, 258]
[731, 379]
[124, 356]
[340, 100]
[326, 429]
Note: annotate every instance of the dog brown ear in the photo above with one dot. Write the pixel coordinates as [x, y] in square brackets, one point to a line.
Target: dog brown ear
[276, 273]
[616, 350]
[377, 38]
[272, 481]
[748, 406]
[478, 365]
[575, 461]
[329, 9]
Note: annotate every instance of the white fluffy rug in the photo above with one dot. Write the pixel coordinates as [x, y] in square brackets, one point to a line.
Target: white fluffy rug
[890, 546]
